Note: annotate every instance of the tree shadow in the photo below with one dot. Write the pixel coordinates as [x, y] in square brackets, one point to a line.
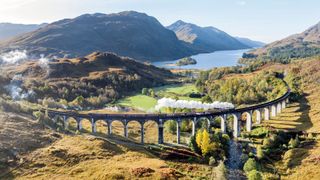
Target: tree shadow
[304, 107]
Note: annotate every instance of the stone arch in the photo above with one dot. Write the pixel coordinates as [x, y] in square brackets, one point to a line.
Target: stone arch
[233, 122]
[273, 110]
[151, 129]
[71, 123]
[283, 104]
[223, 123]
[56, 120]
[85, 125]
[279, 107]
[186, 130]
[101, 126]
[170, 130]
[257, 116]
[266, 113]
[202, 122]
[117, 127]
[134, 130]
[247, 117]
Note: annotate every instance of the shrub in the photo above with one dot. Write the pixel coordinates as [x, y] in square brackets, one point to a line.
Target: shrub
[171, 126]
[259, 132]
[251, 165]
[267, 143]
[254, 175]
[294, 143]
[225, 138]
[186, 126]
[194, 146]
[244, 158]
[260, 153]
[212, 161]
[144, 91]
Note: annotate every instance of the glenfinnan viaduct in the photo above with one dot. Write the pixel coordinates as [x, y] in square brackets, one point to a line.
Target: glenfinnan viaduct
[269, 109]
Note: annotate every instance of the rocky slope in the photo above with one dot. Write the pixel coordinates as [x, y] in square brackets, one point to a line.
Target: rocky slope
[128, 33]
[205, 39]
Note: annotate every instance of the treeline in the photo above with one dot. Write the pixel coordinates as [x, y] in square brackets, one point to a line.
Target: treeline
[95, 93]
[262, 87]
[285, 54]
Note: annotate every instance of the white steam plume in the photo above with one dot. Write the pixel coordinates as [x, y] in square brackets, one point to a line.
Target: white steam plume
[44, 63]
[15, 90]
[183, 104]
[14, 57]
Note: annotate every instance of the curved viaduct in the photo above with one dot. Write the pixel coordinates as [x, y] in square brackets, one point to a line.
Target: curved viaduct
[268, 109]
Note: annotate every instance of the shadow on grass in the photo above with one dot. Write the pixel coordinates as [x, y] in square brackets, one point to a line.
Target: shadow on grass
[295, 118]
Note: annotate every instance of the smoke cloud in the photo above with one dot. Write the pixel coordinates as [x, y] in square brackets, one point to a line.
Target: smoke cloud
[44, 63]
[172, 103]
[14, 57]
[15, 87]
[15, 90]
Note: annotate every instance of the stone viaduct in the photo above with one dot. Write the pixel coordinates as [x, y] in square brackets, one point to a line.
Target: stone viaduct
[263, 112]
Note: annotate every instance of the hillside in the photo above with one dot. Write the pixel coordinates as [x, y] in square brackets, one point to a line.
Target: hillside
[301, 45]
[250, 43]
[9, 30]
[20, 134]
[205, 39]
[128, 33]
[104, 76]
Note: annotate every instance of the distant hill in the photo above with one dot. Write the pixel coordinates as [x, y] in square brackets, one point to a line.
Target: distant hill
[128, 33]
[250, 43]
[205, 39]
[103, 75]
[9, 30]
[300, 45]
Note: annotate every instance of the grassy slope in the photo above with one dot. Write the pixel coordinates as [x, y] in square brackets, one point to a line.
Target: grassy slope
[303, 115]
[78, 157]
[307, 165]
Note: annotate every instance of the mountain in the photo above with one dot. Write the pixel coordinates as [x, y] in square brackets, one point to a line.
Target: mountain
[205, 39]
[103, 75]
[9, 30]
[300, 45]
[250, 43]
[128, 33]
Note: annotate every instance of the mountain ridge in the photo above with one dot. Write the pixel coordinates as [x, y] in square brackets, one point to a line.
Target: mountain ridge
[205, 39]
[127, 33]
[10, 30]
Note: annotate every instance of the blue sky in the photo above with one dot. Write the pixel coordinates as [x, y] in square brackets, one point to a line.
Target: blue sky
[264, 20]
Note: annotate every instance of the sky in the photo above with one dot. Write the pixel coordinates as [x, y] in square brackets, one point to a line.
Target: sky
[263, 20]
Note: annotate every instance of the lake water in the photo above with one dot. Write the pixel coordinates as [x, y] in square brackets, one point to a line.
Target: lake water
[209, 60]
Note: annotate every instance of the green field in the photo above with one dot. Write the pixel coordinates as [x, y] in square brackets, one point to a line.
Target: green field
[147, 103]
[141, 102]
[178, 89]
